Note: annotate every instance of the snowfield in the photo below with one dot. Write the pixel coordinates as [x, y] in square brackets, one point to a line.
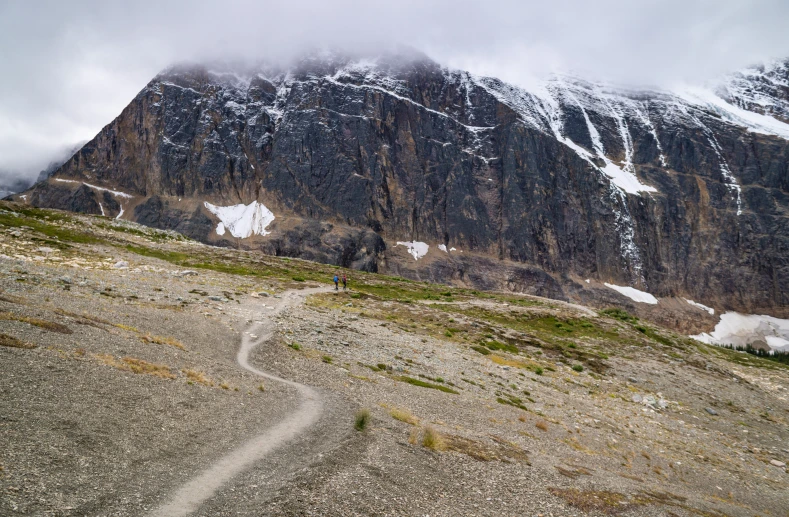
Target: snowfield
[415, 248]
[748, 329]
[242, 220]
[634, 294]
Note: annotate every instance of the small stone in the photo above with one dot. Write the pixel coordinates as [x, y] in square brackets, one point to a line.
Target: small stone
[65, 279]
[777, 463]
[186, 272]
[637, 398]
[710, 411]
[121, 264]
[632, 379]
[215, 298]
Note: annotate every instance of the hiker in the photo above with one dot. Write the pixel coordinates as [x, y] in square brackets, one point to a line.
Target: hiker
[336, 282]
[344, 282]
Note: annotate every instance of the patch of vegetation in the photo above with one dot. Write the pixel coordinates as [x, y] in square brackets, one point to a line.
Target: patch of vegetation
[42, 221]
[138, 366]
[11, 341]
[432, 439]
[298, 278]
[126, 327]
[578, 367]
[511, 400]
[361, 420]
[604, 501]
[326, 359]
[573, 473]
[294, 346]
[738, 357]
[497, 345]
[424, 384]
[619, 314]
[197, 376]
[542, 425]
[162, 340]
[779, 356]
[403, 415]
[36, 322]
[481, 350]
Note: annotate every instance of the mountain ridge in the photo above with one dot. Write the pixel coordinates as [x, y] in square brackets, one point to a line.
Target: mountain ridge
[575, 180]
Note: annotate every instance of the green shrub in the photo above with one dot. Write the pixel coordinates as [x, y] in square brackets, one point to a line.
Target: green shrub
[423, 384]
[619, 314]
[481, 350]
[362, 419]
[578, 368]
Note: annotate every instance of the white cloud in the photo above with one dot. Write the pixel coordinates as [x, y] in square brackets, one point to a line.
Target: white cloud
[70, 67]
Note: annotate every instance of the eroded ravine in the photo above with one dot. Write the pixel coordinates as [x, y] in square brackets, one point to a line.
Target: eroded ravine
[190, 496]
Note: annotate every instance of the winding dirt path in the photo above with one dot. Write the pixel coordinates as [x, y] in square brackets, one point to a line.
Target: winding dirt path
[199, 489]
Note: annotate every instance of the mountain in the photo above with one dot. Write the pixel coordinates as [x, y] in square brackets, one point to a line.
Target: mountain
[14, 181]
[11, 184]
[339, 158]
[55, 164]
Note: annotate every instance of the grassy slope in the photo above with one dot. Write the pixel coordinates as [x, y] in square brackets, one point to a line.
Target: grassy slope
[530, 331]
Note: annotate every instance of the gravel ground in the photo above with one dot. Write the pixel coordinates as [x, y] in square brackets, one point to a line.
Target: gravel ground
[86, 435]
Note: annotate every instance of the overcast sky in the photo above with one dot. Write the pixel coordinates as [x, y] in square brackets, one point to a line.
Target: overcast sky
[69, 67]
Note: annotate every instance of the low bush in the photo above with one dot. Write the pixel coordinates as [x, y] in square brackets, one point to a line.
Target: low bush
[362, 419]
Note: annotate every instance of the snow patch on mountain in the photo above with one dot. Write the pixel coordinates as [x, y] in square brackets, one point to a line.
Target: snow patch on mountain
[752, 121]
[741, 330]
[634, 294]
[700, 306]
[415, 248]
[242, 220]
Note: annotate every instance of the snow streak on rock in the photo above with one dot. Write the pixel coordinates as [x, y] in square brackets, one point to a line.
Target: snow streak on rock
[643, 116]
[242, 220]
[700, 306]
[115, 193]
[729, 180]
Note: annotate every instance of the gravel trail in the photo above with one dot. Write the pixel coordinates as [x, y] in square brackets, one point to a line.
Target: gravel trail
[189, 497]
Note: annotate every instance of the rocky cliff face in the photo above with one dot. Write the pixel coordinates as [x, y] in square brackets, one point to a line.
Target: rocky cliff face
[678, 194]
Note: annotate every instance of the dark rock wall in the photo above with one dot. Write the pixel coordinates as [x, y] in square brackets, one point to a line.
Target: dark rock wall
[419, 153]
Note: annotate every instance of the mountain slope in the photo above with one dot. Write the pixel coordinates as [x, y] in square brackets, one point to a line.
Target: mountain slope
[678, 194]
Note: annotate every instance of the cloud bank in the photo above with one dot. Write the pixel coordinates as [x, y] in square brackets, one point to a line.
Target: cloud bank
[70, 67]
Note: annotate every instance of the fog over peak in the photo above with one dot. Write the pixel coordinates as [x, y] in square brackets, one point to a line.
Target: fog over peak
[70, 67]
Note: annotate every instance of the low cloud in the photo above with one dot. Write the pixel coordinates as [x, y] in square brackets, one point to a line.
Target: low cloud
[70, 67]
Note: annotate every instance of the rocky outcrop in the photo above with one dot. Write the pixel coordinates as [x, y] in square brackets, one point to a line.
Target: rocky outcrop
[678, 194]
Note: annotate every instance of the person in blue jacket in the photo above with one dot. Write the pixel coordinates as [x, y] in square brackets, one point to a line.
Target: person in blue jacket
[336, 282]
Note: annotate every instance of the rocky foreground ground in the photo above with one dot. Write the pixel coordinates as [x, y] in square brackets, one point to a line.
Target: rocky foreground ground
[118, 383]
